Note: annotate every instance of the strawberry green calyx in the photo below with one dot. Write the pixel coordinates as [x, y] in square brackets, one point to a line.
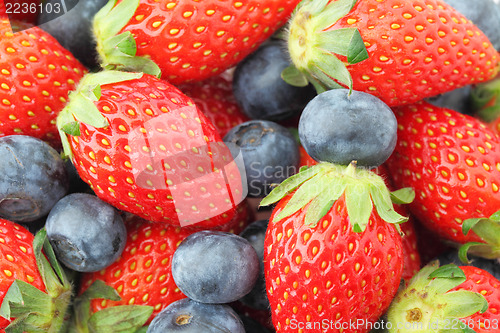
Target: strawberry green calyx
[319, 186]
[117, 51]
[81, 107]
[428, 305]
[35, 310]
[119, 319]
[314, 48]
[488, 229]
[485, 100]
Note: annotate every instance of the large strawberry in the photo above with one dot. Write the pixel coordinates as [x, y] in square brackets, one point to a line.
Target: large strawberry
[331, 259]
[447, 299]
[145, 147]
[399, 51]
[452, 161]
[189, 40]
[36, 75]
[214, 97]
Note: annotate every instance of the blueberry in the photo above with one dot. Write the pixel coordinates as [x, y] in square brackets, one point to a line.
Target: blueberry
[491, 266]
[255, 233]
[32, 178]
[260, 90]
[215, 267]
[73, 30]
[457, 99]
[485, 14]
[188, 316]
[87, 234]
[270, 154]
[337, 128]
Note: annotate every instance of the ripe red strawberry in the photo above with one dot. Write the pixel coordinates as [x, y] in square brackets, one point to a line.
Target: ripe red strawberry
[329, 255]
[214, 97]
[452, 161]
[449, 298]
[36, 75]
[399, 51]
[495, 126]
[188, 40]
[34, 291]
[145, 147]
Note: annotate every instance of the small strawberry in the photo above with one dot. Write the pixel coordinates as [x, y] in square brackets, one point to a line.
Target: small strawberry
[214, 97]
[452, 161]
[399, 51]
[142, 275]
[34, 291]
[36, 75]
[187, 40]
[447, 299]
[145, 147]
[330, 254]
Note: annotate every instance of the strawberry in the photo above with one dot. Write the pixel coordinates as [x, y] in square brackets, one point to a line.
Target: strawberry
[36, 75]
[495, 126]
[399, 51]
[214, 96]
[447, 298]
[187, 40]
[35, 292]
[330, 257]
[145, 147]
[452, 161]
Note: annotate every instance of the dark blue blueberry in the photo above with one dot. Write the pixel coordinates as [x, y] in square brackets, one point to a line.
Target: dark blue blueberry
[215, 267]
[457, 99]
[260, 90]
[485, 14]
[32, 178]
[491, 266]
[270, 154]
[339, 128]
[73, 30]
[87, 234]
[255, 233]
[188, 316]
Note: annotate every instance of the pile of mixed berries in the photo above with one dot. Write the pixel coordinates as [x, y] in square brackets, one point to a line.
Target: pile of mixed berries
[249, 166]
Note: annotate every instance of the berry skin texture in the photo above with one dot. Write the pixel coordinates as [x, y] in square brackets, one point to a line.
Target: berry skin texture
[36, 75]
[189, 316]
[452, 161]
[156, 158]
[339, 128]
[17, 260]
[328, 271]
[215, 267]
[214, 97]
[33, 178]
[86, 233]
[202, 38]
